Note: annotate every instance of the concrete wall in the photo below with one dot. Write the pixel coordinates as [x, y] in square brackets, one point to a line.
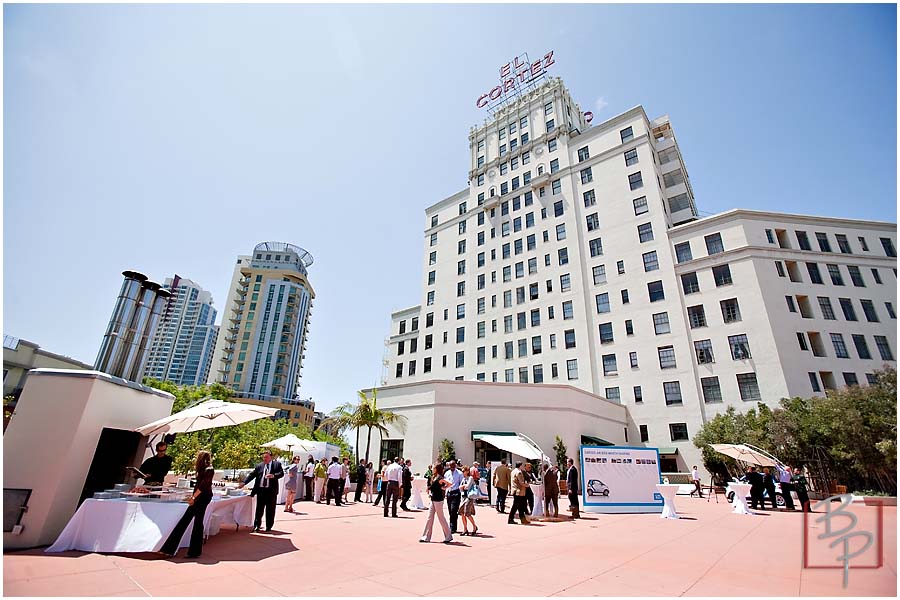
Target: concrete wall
[51, 440]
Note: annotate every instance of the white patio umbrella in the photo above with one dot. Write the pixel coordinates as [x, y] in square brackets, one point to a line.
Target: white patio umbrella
[207, 415]
[290, 443]
[744, 454]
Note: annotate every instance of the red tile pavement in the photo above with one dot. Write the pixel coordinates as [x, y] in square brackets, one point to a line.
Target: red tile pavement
[711, 553]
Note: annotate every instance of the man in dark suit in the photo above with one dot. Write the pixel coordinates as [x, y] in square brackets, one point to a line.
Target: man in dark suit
[757, 485]
[267, 473]
[360, 480]
[572, 484]
[769, 484]
[406, 484]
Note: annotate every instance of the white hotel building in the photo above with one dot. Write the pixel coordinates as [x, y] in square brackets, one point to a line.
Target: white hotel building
[576, 256]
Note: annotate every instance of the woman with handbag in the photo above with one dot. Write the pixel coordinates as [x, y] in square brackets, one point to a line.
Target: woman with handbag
[467, 507]
[196, 510]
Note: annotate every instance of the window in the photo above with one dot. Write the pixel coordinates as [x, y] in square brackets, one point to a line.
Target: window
[740, 347]
[683, 252]
[606, 333]
[840, 348]
[847, 309]
[714, 244]
[672, 392]
[779, 268]
[523, 347]
[801, 339]
[869, 310]
[790, 303]
[655, 290]
[835, 273]
[625, 297]
[565, 283]
[843, 244]
[631, 157]
[593, 221]
[638, 395]
[431, 277]
[704, 352]
[862, 348]
[888, 246]
[599, 273]
[645, 232]
[884, 348]
[650, 261]
[461, 288]
[748, 387]
[822, 238]
[461, 267]
[803, 240]
[429, 320]
[399, 372]
[536, 344]
[434, 221]
[863, 244]
[603, 303]
[856, 276]
[572, 368]
[629, 327]
[596, 247]
[633, 359]
[620, 267]
[560, 232]
[521, 321]
[645, 436]
[850, 379]
[583, 154]
[731, 312]
[538, 373]
[711, 391]
[570, 338]
[689, 283]
[586, 175]
[432, 257]
[626, 134]
[661, 323]
[462, 227]
[567, 310]
[461, 247]
[814, 275]
[876, 276]
[554, 165]
[563, 254]
[825, 307]
[635, 182]
[508, 351]
[889, 307]
[460, 335]
[814, 382]
[640, 205]
[430, 298]
[460, 359]
[666, 357]
[551, 145]
[590, 199]
[696, 316]
[770, 236]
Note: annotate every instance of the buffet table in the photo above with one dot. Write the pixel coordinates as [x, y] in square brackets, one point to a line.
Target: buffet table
[117, 525]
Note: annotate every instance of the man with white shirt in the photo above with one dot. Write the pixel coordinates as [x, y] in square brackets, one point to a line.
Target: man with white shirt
[455, 477]
[394, 476]
[309, 475]
[265, 488]
[695, 479]
[335, 471]
[784, 478]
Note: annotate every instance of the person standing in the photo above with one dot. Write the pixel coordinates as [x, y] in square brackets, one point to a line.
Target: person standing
[757, 485]
[769, 484]
[321, 473]
[157, 466]
[294, 477]
[799, 484]
[454, 494]
[382, 481]
[784, 478]
[335, 473]
[406, 484]
[695, 479]
[501, 483]
[370, 476]
[551, 490]
[345, 479]
[467, 507]
[196, 510]
[574, 488]
[265, 487]
[360, 480]
[309, 477]
[517, 487]
[437, 487]
[393, 477]
[529, 493]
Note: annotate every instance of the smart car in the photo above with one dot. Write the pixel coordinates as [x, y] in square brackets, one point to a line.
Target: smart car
[779, 497]
[595, 487]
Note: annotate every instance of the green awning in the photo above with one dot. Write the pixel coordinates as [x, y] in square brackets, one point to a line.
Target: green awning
[668, 450]
[477, 435]
[589, 440]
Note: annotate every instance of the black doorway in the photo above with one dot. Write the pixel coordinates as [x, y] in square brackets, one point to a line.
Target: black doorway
[116, 450]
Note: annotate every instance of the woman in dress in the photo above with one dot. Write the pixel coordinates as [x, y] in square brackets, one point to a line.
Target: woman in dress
[290, 485]
[437, 488]
[470, 492]
[196, 510]
[345, 467]
[370, 477]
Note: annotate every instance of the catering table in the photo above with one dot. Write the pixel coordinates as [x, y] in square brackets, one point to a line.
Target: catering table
[118, 525]
[418, 486]
[668, 491]
[740, 498]
[538, 490]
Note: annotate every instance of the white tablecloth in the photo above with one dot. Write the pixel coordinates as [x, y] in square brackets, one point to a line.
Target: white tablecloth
[740, 498]
[668, 491]
[130, 526]
[538, 490]
[418, 487]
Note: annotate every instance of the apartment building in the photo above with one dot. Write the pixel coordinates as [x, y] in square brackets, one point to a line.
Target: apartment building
[577, 256]
[182, 347]
[260, 351]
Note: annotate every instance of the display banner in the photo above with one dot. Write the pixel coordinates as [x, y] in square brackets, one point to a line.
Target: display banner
[618, 479]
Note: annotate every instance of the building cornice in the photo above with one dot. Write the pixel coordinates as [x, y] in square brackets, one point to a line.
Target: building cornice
[454, 199]
[777, 253]
[412, 310]
[761, 215]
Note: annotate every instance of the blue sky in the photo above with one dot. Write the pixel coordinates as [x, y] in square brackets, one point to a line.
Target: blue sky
[170, 139]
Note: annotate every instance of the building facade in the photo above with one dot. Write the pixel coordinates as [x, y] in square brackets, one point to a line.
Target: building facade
[577, 256]
[182, 348]
[259, 353]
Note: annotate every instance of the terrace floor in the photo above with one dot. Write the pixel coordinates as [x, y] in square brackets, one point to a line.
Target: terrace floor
[354, 551]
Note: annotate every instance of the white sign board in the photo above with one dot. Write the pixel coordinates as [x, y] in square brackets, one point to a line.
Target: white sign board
[618, 479]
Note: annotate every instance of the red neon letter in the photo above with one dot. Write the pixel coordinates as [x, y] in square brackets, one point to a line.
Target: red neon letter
[536, 68]
[498, 90]
[519, 64]
[504, 70]
[508, 84]
[548, 59]
[482, 101]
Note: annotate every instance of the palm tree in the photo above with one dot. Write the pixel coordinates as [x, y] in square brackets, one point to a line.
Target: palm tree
[344, 417]
[365, 414]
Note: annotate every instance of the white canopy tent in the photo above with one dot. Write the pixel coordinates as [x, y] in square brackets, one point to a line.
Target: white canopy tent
[517, 444]
[291, 443]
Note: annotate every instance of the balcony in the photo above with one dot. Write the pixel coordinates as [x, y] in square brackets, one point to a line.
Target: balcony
[539, 181]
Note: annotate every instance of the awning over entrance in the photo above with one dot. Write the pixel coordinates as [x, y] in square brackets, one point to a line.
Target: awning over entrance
[668, 450]
[515, 443]
[589, 440]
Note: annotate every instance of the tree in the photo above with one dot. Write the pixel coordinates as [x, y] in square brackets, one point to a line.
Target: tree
[365, 414]
[561, 453]
[446, 451]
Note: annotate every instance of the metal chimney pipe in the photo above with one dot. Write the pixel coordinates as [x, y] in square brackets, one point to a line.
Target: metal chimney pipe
[130, 359]
[145, 337]
[123, 312]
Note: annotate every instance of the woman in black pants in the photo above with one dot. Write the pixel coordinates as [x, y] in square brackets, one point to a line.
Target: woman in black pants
[196, 510]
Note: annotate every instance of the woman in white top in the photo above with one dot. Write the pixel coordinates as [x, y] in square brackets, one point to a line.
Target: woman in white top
[370, 477]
